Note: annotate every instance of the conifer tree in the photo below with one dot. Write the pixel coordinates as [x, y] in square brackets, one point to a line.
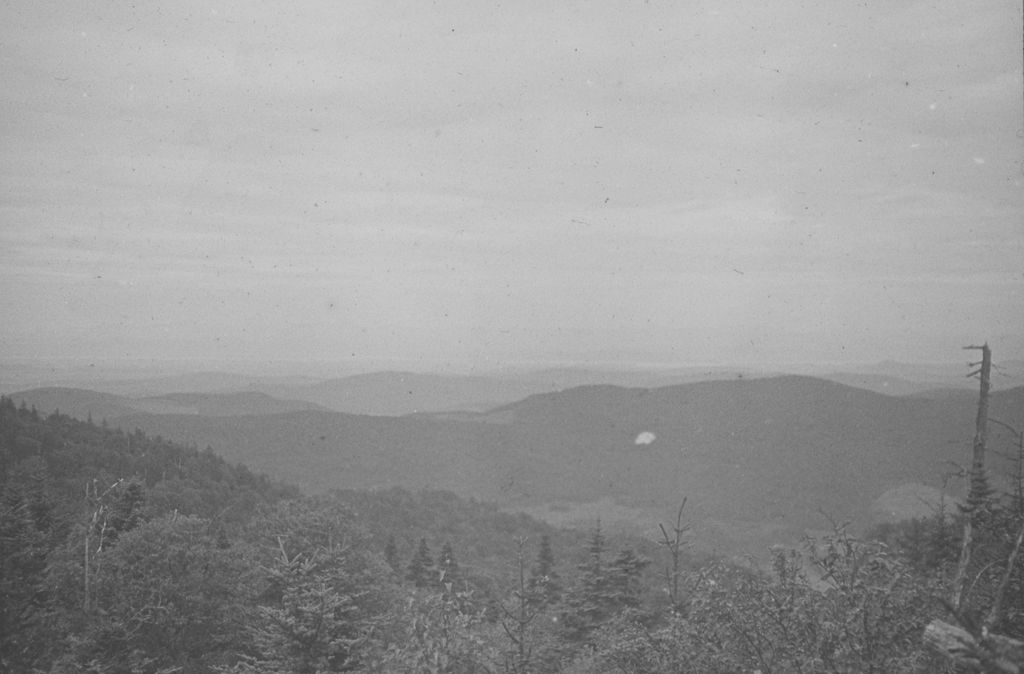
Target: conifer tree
[624, 580]
[323, 597]
[391, 554]
[447, 567]
[603, 589]
[420, 571]
[587, 606]
[545, 587]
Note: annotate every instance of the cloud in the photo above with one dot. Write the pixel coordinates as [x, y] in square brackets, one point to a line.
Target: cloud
[645, 438]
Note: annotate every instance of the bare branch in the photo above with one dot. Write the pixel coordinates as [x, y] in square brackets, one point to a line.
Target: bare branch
[1005, 425]
[997, 605]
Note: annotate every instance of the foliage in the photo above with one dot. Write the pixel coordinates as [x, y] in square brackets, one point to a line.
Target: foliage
[482, 534]
[164, 596]
[447, 567]
[434, 633]
[122, 553]
[391, 554]
[875, 607]
[545, 587]
[321, 594]
[842, 605]
[93, 519]
[601, 589]
[421, 571]
[26, 538]
[932, 547]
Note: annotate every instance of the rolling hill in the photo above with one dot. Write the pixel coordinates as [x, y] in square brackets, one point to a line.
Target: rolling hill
[75, 402]
[83, 404]
[221, 404]
[759, 459]
[400, 393]
[396, 393]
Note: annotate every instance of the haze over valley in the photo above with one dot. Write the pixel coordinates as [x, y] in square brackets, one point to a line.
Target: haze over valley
[763, 459]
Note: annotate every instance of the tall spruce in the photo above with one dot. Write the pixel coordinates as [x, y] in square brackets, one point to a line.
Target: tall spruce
[588, 604]
[420, 571]
[544, 586]
[391, 554]
[624, 575]
[324, 594]
[447, 567]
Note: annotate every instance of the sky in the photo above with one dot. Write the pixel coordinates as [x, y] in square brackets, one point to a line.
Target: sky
[472, 184]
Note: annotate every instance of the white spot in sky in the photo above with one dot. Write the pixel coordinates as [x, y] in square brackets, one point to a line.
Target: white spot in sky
[931, 106]
[979, 160]
[645, 438]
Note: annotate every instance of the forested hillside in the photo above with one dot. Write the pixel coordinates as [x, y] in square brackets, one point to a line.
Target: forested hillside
[760, 460]
[126, 553]
[122, 552]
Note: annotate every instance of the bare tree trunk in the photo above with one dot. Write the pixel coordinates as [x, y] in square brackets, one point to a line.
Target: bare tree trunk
[976, 648]
[978, 482]
[997, 605]
[990, 653]
[978, 494]
[674, 546]
[517, 622]
[88, 544]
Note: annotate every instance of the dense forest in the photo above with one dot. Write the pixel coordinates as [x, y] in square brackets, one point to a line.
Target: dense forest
[121, 552]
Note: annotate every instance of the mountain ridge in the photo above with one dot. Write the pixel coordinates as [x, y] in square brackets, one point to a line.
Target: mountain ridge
[755, 455]
[85, 403]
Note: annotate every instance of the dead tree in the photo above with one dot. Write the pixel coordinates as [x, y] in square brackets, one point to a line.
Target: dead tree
[980, 493]
[989, 653]
[674, 545]
[516, 620]
[96, 526]
[970, 643]
[977, 498]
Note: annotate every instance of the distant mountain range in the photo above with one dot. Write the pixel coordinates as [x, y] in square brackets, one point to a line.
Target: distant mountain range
[399, 393]
[759, 459]
[86, 404]
[394, 393]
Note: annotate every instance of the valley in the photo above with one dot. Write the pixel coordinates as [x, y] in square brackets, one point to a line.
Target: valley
[761, 460]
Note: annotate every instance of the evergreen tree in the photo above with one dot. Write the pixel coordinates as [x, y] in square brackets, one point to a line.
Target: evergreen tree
[981, 499]
[588, 605]
[164, 598]
[25, 542]
[624, 580]
[323, 597]
[603, 589]
[447, 567]
[124, 512]
[544, 585]
[420, 571]
[391, 554]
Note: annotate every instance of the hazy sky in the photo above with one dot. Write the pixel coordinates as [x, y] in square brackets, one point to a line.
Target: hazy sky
[456, 182]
